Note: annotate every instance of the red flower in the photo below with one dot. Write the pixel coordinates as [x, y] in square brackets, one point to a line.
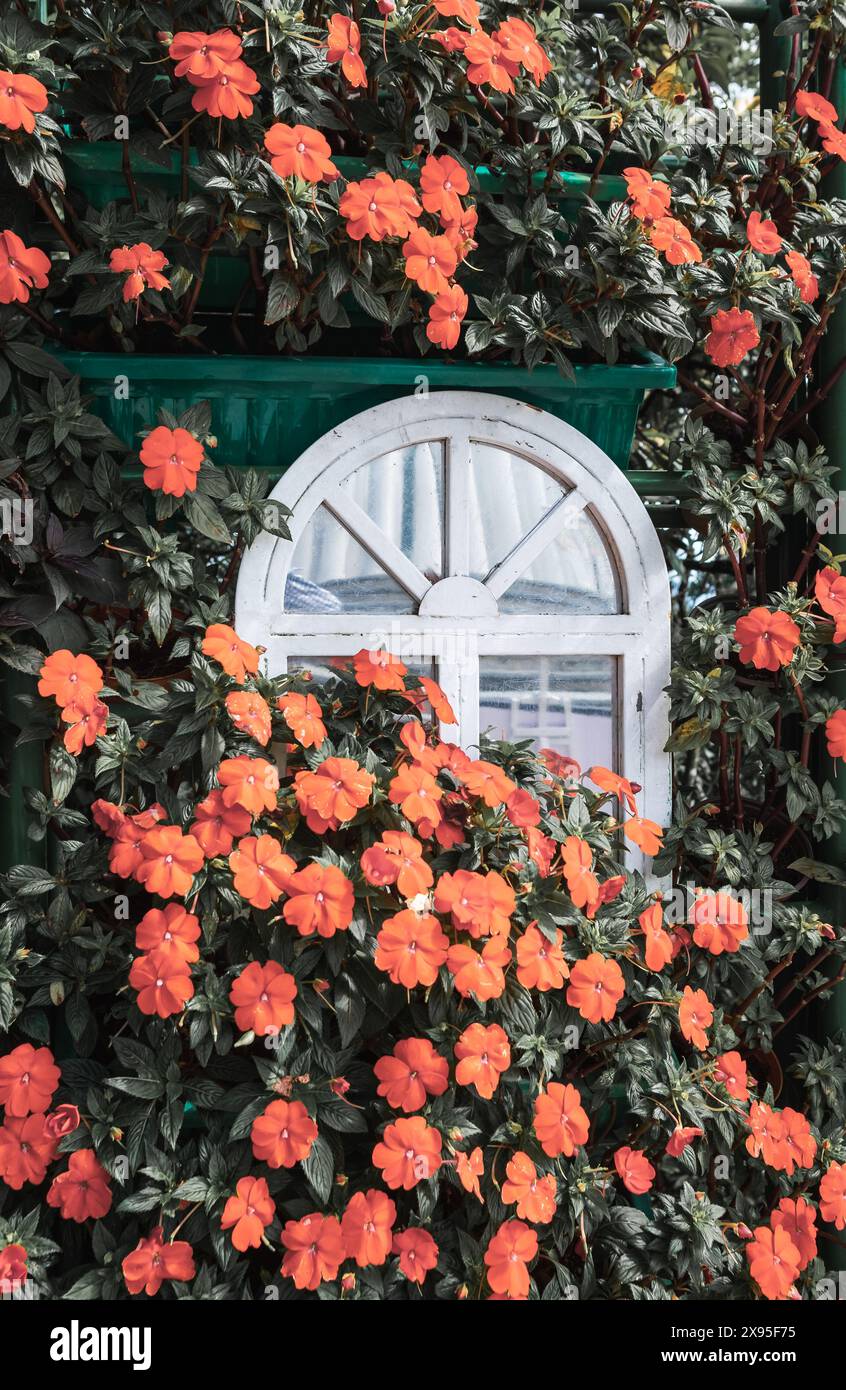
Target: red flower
[673, 238]
[429, 261]
[483, 1053]
[320, 900]
[203, 55]
[762, 235]
[13, 1260]
[71, 680]
[774, 1261]
[86, 726]
[481, 975]
[635, 1170]
[263, 996]
[730, 1071]
[833, 1195]
[315, 1249]
[534, 1195]
[367, 1227]
[251, 783]
[26, 1148]
[302, 715]
[659, 943]
[21, 97]
[507, 1257]
[397, 858]
[409, 1152]
[152, 1261]
[803, 276]
[61, 1121]
[142, 267]
[767, 640]
[283, 1134]
[418, 1253]
[486, 780]
[796, 1216]
[171, 460]
[520, 45]
[650, 199]
[22, 268]
[488, 63]
[834, 140]
[376, 208]
[344, 46]
[696, 1013]
[522, 809]
[410, 1074]
[443, 182]
[163, 982]
[812, 105]
[238, 658]
[300, 151]
[540, 962]
[248, 1212]
[733, 334]
[173, 932]
[333, 793]
[582, 883]
[216, 825]
[169, 861]
[481, 904]
[84, 1190]
[680, 1138]
[226, 94]
[250, 713]
[561, 1124]
[260, 871]
[445, 317]
[28, 1078]
[470, 1168]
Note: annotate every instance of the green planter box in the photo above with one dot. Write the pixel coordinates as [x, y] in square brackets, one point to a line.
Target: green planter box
[267, 410]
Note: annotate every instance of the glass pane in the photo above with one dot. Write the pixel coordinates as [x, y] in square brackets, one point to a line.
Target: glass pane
[508, 496]
[562, 702]
[331, 573]
[574, 574]
[403, 492]
[322, 667]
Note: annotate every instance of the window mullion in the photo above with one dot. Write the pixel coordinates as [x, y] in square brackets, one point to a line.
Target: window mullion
[458, 503]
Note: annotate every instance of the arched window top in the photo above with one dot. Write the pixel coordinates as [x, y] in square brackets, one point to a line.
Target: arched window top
[483, 540]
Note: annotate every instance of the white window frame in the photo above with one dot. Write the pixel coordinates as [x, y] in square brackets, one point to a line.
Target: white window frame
[639, 637]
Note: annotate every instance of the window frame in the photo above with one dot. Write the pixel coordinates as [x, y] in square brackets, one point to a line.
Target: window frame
[638, 637]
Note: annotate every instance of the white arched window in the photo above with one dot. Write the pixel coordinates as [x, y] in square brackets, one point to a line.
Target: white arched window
[490, 545]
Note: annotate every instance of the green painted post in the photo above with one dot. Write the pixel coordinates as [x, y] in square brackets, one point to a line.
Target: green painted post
[25, 769]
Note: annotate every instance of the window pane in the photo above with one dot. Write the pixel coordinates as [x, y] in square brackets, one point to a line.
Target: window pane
[331, 573]
[574, 574]
[560, 702]
[322, 667]
[508, 496]
[403, 492]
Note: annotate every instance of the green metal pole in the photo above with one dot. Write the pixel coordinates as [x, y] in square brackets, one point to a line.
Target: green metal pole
[25, 769]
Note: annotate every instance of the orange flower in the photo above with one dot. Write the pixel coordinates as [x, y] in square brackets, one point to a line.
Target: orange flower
[443, 182]
[520, 45]
[263, 996]
[417, 794]
[803, 276]
[21, 96]
[830, 592]
[397, 858]
[659, 945]
[488, 63]
[169, 861]
[833, 1195]
[465, 10]
[796, 1216]
[315, 1249]
[834, 141]
[333, 793]
[507, 1257]
[487, 781]
[22, 268]
[367, 1227]
[835, 733]
[28, 1078]
[203, 55]
[261, 871]
[283, 1134]
[374, 208]
[799, 1144]
[762, 235]
[815, 106]
[696, 1013]
[561, 1124]
[774, 1261]
[462, 236]
[125, 855]
[635, 1170]
[674, 239]
[153, 1260]
[646, 834]
[251, 783]
[411, 948]
[226, 94]
[13, 1259]
[733, 334]
[582, 883]
[379, 669]
[767, 640]
[174, 932]
[680, 1138]
[216, 824]
[481, 904]
[250, 713]
[541, 850]
[302, 715]
[163, 983]
[82, 1191]
[248, 1212]
[236, 656]
[540, 961]
[483, 1054]
[441, 707]
[429, 260]
[730, 1071]
[63, 1120]
[611, 782]
[650, 199]
[596, 988]
[301, 152]
[768, 1130]
[408, 1153]
[445, 317]
[719, 922]
[142, 267]
[85, 726]
[71, 680]
[418, 1253]
[320, 900]
[411, 1073]
[470, 1169]
[480, 975]
[522, 809]
[344, 45]
[26, 1149]
[535, 1196]
[171, 460]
